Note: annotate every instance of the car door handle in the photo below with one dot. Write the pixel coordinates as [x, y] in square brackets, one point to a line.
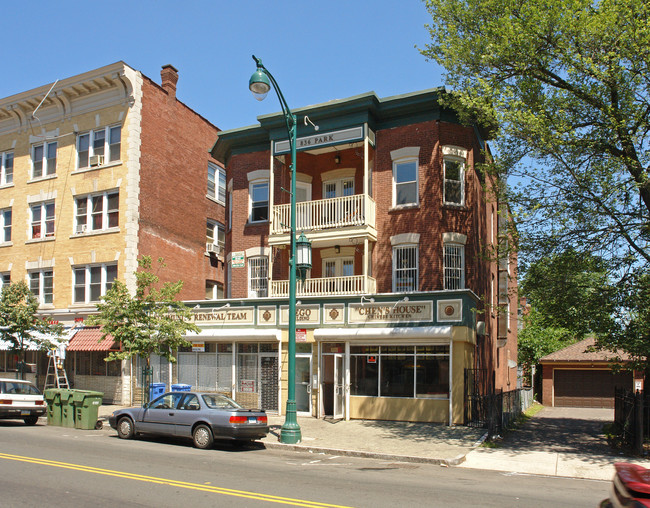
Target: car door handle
[171, 414]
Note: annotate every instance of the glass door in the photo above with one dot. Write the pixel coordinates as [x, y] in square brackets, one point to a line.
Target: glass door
[339, 391]
[303, 385]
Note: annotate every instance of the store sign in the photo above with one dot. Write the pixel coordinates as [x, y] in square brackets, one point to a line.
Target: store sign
[372, 359]
[198, 347]
[237, 260]
[301, 335]
[329, 138]
[305, 314]
[230, 316]
[247, 386]
[390, 312]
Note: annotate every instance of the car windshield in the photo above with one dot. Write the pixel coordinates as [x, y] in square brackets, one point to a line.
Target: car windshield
[19, 388]
[217, 401]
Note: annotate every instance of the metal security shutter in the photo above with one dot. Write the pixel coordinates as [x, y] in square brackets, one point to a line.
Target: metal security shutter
[588, 388]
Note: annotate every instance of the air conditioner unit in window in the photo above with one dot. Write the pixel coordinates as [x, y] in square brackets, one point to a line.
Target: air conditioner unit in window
[214, 248]
[81, 228]
[96, 160]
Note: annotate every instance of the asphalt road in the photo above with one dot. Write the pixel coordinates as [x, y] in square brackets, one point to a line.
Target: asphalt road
[58, 467]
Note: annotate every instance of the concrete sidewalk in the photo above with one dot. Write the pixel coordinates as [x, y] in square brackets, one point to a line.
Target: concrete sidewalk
[556, 442]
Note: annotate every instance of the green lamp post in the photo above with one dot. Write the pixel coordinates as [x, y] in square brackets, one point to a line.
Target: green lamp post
[260, 84]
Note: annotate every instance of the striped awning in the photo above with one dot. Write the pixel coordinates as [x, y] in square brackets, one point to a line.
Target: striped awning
[89, 339]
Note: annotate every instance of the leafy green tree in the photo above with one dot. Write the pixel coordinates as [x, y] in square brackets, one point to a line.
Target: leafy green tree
[152, 321]
[537, 339]
[21, 325]
[564, 88]
[571, 290]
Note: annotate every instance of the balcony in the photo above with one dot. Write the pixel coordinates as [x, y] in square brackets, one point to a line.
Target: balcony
[357, 211]
[327, 286]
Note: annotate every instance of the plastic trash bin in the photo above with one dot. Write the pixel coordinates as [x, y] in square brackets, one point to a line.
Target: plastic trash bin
[181, 388]
[67, 409]
[86, 408]
[53, 399]
[156, 390]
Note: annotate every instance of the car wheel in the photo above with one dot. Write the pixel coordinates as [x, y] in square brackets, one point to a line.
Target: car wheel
[125, 428]
[202, 436]
[31, 420]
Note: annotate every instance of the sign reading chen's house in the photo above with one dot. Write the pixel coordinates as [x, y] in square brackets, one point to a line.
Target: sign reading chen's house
[400, 312]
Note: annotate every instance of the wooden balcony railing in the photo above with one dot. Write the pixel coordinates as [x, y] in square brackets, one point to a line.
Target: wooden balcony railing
[352, 285]
[356, 210]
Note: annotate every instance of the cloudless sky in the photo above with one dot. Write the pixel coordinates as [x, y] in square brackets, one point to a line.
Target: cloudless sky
[316, 50]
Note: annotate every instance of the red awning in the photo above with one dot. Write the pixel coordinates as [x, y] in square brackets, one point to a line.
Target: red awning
[88, 339]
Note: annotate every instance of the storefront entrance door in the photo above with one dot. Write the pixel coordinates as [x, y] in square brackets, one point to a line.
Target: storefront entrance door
[303, 385]
[339, 393]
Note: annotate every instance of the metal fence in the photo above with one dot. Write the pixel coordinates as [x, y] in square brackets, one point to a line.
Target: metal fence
[632, 417]
[495, 410]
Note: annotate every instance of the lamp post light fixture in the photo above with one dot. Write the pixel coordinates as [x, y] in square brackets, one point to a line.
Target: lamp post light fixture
[260, 84]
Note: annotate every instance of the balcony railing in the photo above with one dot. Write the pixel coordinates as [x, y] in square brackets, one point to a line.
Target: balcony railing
[352, 285]
[357, 210]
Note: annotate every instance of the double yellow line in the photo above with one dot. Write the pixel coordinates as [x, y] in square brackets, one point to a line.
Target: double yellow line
[172, 483]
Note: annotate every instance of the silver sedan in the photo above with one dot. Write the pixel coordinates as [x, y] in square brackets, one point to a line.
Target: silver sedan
[203, 417]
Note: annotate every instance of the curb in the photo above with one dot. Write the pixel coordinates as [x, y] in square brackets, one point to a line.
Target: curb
[459, 459]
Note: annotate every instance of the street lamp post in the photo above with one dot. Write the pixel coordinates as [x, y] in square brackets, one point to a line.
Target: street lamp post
[260, 84]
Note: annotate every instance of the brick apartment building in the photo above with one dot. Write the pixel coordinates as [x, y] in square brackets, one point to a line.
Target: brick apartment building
[96, 171]
[402, 297]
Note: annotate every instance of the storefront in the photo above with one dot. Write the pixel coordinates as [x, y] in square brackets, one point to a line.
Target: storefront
[389, 359]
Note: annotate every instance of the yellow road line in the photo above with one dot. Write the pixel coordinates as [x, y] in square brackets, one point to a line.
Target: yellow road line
[173, 483]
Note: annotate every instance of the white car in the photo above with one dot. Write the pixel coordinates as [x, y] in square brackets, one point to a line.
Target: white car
[21, 400]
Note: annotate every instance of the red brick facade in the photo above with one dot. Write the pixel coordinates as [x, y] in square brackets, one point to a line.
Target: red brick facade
[173, 189]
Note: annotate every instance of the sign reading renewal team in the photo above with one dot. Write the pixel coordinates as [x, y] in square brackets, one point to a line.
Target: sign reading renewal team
[385, 312]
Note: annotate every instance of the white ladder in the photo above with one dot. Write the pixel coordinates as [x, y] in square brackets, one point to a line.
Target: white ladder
[56, 375]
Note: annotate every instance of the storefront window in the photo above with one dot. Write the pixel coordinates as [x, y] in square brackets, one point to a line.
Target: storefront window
[400, 371]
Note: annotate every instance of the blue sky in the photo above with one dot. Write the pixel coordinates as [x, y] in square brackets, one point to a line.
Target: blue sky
[317, 51]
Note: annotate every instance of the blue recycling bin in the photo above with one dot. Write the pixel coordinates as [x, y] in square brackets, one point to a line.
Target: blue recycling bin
[156, 390]
[181, 388]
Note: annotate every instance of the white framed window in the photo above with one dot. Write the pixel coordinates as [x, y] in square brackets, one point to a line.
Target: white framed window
[91, 282]
[213, 290]
[337, 188]
[405, 182]
[405, 268]
[217, 183]
[44, 160]
[258, 276]
[5, 224]
[41, 283]
[454, 181]
[97, 212]
[259, 201]
[229, 210]
[454, 266]
[5, 279]
[338, 267]
[6, 168]
[42, 220]
[99, 146]
[215, 234]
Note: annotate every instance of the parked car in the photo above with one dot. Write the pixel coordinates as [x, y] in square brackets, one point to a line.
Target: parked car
[21, 400]
[203, 417]
[630, 487]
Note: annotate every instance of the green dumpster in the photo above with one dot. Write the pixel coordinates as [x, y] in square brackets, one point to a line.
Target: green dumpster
[86, 408]
[67, 409]
[53, 399]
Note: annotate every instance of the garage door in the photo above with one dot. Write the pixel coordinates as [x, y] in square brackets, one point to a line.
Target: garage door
[588, 388]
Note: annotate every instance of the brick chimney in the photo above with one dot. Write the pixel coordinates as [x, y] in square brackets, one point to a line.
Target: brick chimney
[168, 79]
